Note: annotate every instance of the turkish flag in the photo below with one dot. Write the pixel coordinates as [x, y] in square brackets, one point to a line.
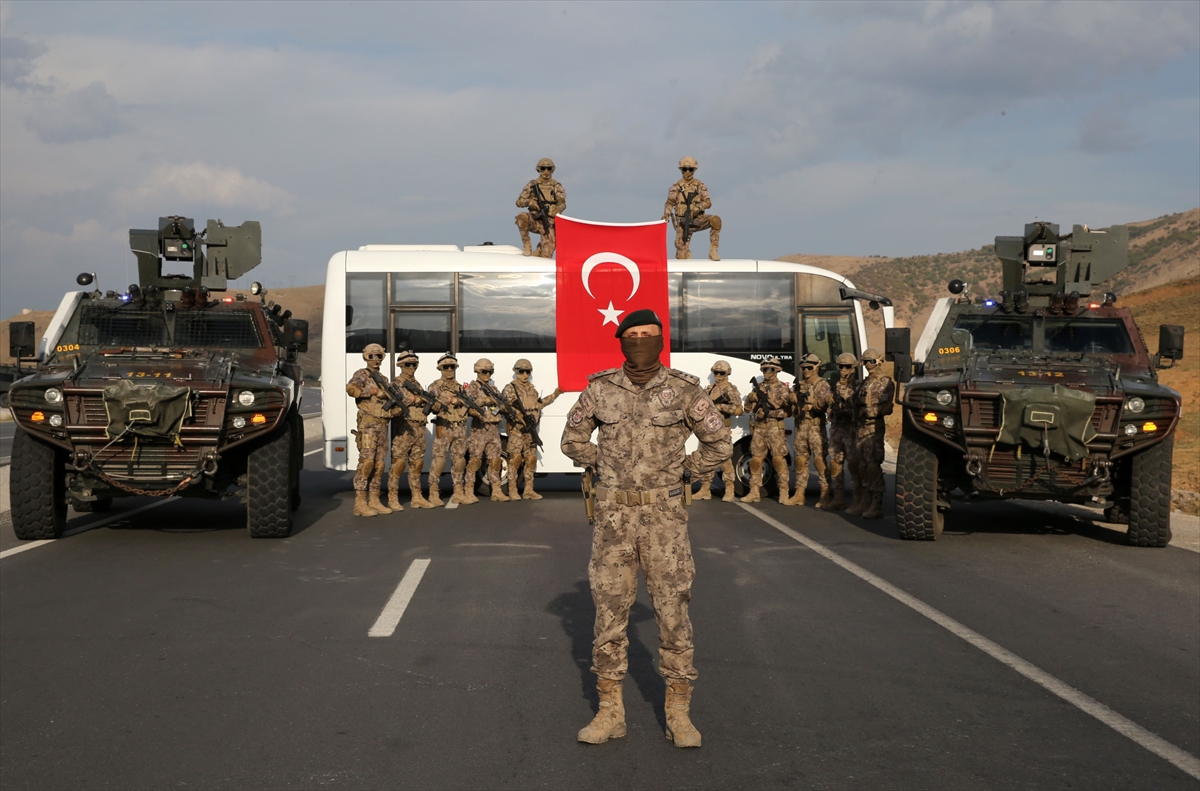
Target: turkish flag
[605, 272]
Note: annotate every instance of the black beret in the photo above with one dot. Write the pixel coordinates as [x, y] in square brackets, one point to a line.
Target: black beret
[639, 318]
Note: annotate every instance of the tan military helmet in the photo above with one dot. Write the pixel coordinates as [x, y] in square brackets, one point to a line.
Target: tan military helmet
[688, 162]
[846, 358]
[721, 367]
[811, 359]
[771, 361]
[484, 364]
[406, 355]
[545, 162]
[522, 364]
[872, 354]
[373, 351]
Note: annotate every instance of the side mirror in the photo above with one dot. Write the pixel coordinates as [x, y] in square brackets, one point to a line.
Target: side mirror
[896, 346]
[1170, 344]
[295, 334]
[21, 343]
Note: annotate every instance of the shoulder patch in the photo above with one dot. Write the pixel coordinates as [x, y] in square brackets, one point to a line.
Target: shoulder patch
[605, 372]
[684, 375]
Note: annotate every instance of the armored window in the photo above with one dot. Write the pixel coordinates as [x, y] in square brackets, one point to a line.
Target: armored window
[217, 329]
[1087, 336]
[366, 311]
[422, 288]
[124, 326]
[422, 331]
[996, 332]
[506, 312]
[827, 336]
[739, 313]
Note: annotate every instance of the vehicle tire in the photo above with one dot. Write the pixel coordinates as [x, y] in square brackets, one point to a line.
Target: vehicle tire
[297, 424]
[1150, 496]
[917, 515]
[37, 489]
[741, 472]
[92, 506]
[270, 471]
[4, 400]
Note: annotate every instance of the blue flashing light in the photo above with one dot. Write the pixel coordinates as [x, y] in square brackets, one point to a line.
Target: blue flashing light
[989, 303]
[124, 297]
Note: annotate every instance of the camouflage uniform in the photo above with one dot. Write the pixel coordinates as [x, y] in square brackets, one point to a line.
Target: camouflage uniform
[842, 435]
[408, 450]
[450, 439]
[691, 188]
[484, 441]
[728, 401]
[640, 454]
[768, 437]
[521, 449]
[372, 440]
[531, 221]
[872, 402]
[813, 398]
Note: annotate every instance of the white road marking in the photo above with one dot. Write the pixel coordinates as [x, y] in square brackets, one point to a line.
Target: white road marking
[519, 546]
[1161, 747]
[84, 528]
[389, 619]
[313, 452]
[451, 504]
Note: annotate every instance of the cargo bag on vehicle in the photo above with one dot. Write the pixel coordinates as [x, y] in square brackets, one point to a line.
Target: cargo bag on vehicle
[151, 411]
[1057, 418]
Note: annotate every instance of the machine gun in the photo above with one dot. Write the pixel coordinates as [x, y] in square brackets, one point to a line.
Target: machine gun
[426, 396]
[762, 404]
[543, 206]
[470, 402]
[217, 254]
[507, 411]
[396, 399]
[685, 222]
[528, 424]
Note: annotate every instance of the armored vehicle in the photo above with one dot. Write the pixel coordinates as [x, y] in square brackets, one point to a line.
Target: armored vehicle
[1043, 391]
[174, 387]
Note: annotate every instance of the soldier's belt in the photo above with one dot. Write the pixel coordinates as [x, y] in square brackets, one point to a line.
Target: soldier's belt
[441, 421]
[634, 497]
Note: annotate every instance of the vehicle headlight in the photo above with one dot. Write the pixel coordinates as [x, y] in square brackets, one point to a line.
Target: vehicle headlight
[53, 396]
[944, 397]
[55, 420]
[1130, 430]
[239, 422]
[1134, 405]
[246, 398]
[948, 421]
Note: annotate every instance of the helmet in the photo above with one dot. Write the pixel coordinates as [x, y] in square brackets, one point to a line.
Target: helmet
[721, 367]
[407, 355]
[871, 354]
[846, 358]
[523, 363]
[771, 361]
[545, 162]
[811, 359]
[373, 351]
[484, 364]
[448, 356]
[688, 162]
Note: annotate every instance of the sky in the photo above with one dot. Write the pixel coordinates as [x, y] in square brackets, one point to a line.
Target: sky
[836, 128]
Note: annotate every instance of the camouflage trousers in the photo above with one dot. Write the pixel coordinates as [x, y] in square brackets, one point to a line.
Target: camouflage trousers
[809, 443]
[843, 452]
[521, 451]
[768, 437]
[726, 474]
[654, 537]
[709, 222]
[869, 450]
[372, 454]
[449, 439]
[527, 223]
[408, 450]
[483, 442]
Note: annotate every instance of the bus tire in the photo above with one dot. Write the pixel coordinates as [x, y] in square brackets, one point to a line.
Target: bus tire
[37, 487]
[268, 491]
[1150, 496]
[918, 517]
[741, 472]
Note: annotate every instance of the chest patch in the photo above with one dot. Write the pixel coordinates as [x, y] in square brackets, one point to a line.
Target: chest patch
[667, 396]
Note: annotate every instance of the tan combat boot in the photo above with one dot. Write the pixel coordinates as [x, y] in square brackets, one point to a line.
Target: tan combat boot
[394, 500]
[874, 508]
[755, 482]
[376, 504]
[825, 501]
[435, 497]
[678, 711]
[839, 499]
[513, 492]
[527, 246]
[860, 501]
[712, 252]
[361, 507]
[530, 494]
[497, 487]
[728, 497]
[705, 492]
[416, 499]
[781, 474]
[609, 722]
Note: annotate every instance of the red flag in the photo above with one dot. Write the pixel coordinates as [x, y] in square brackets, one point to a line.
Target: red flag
[605, 272]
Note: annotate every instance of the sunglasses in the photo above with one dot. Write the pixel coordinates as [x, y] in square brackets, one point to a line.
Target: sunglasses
[688, 170]
[546, 169]
[375, 357]
[807, 367]
[845, 367]
[869, 362]
[487, 371]
[720, 373]
[769, 368]
[524, 370]
[408, 365]
[447, 367]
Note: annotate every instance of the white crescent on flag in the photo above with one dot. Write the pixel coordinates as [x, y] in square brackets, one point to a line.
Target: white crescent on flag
[611, 258]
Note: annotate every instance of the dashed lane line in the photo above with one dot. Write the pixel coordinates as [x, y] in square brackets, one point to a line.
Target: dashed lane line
[313, 452]
[83, 528]
[1176, 756]
[389, 619]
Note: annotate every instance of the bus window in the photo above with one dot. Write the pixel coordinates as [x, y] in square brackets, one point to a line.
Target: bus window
[506, 312]
[738, 313]
[817, 290]
[366, 311]
[675, 303]
[422, 331]
[827, 336]
[422, 288]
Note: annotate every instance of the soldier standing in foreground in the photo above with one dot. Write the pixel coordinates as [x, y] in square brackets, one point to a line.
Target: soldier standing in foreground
[644, 412]
[544, 198]
[522, 450]
[686, 203]
[728, 401]
[372, 433]
[813, 398]
[484, 441]
[450, 431]
[408, 440]
[766, 424]
[872, 402]
[842, 434]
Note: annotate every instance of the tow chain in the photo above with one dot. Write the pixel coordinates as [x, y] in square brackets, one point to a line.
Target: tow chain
[183, 484]
[979, 476]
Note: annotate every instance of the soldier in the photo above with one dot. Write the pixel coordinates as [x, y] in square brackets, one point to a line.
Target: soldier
[872, 402]
[372, 434]
[449, 433]
[728, 401]
[521, 448]
[485, 434]
[766, 425]
[644, 412]
[690, 196]
[408, 440]
[842, 434]
[813, 399]
[541, 196]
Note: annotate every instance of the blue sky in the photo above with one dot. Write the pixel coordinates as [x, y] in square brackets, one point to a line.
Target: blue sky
[849, 128]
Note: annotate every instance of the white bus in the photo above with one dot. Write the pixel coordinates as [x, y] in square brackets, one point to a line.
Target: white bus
[491, 301]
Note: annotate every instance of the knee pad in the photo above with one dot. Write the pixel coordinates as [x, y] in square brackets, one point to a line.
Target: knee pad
[714, 222]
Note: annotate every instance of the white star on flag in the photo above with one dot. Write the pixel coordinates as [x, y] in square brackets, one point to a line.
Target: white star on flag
[610, 314]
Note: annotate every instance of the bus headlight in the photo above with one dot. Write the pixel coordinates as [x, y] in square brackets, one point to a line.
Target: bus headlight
[1135, 405]
[53, 396]
[246, 398]
[944, 397]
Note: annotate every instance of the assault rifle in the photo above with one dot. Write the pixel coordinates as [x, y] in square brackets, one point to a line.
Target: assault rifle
[543, 208]
[528, 424]
[762, 404]
[470, 402]
[396, 399]
[688, 218]
[426, 396]
[588, 484]
[488, 388]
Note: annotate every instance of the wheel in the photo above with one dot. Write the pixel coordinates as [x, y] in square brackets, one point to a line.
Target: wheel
[4, 400]
[917, 515]
[741, 472]
[270, 471]
[297, 426]
[90, 506]
[37, 489]
[1150, 496]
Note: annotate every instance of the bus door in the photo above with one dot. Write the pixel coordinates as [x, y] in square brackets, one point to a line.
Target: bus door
[827, 332]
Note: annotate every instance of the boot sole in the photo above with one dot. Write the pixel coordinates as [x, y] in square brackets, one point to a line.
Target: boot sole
[671, 738]
[615, 733]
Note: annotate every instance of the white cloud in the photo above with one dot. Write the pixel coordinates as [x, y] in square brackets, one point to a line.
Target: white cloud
[90, 113]
[196, 183]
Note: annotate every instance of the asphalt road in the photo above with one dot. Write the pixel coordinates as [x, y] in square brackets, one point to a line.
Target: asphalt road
[170, 649]
[6, 437]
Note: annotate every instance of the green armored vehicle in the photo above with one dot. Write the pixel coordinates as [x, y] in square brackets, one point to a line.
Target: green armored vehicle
[1044, 391]
[175, 387]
